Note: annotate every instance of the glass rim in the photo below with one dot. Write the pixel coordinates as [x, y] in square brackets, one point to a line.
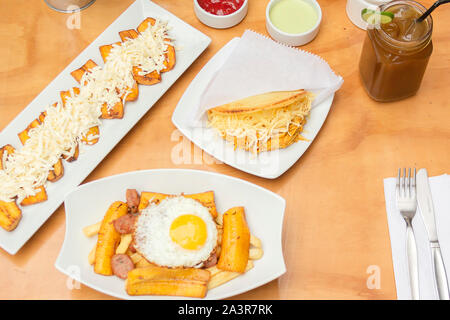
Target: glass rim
[407, 44]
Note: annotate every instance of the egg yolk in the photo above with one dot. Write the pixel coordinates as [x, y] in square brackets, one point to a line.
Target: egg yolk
[188, 231]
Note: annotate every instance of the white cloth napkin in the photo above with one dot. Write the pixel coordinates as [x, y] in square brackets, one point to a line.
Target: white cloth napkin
[259, 64]
[440, 191]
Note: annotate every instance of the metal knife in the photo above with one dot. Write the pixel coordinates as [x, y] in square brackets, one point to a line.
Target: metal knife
[427, 210]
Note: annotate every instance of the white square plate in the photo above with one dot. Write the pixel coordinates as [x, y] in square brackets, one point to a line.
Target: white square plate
[264, 212]
[192, 42]
[269, 165]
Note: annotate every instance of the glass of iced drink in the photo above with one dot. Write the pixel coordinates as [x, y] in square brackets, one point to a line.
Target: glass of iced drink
[395, 54]
[69, 5]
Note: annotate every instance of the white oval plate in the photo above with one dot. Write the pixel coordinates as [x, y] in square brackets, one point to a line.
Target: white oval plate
[88, 203]
[268, 165]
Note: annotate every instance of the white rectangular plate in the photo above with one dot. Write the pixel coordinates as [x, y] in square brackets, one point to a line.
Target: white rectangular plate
[192, 42]
[264, 212]
[269, 165]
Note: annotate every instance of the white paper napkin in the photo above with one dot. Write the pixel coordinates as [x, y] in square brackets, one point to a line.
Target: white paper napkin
[440, 191]
[259, 64]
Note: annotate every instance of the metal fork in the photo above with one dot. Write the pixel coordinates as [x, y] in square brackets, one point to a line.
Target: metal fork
[405, 194]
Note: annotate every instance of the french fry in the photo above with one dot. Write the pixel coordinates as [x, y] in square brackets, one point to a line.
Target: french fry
[40, 196]
[219, 248]
[136, 257]
[255, 241]
[134, 90]
[116, 112]
[108, 238]
[189, 282]
[219, 235]
[143, 263]
[235, 241]
[125, 241]
[139, 261]
[205, 198]
[219, 219]
[255, 253]
[91, 256]
[92, 229]
[214, 270]
[225, 276]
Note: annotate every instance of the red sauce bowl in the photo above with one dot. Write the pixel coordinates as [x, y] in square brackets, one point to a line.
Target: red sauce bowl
[223, 15]
[221, 7]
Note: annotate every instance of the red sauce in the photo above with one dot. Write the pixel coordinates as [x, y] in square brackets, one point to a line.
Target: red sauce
[221, 7]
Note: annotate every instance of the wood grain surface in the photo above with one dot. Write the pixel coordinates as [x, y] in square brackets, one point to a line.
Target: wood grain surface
[335, 224]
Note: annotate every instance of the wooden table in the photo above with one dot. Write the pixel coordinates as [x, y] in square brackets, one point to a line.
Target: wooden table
[335, 225]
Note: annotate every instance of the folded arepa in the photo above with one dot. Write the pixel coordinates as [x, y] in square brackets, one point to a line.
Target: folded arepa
[263, 122]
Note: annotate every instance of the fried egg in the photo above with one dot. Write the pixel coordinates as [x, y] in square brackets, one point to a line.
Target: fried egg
[177, 232]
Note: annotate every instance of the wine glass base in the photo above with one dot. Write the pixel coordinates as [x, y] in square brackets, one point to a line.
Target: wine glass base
[52, 6]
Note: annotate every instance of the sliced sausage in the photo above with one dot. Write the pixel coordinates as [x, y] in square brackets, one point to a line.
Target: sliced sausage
[212, 261]
[132, 200]
[121, 264]
[125, 223]
[132, 248]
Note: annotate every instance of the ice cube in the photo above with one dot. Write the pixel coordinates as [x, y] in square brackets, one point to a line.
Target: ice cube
[391, 29]
[404, 12]
[415, 31]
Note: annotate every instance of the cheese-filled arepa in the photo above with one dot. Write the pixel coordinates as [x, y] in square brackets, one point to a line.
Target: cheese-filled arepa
[263, 122]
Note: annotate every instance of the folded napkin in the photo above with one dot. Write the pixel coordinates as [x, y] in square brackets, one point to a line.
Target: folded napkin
[440, 191]
[259, 64]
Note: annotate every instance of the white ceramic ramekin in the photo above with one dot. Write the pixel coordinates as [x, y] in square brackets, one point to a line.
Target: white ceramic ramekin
[293, 39]
[220, 22]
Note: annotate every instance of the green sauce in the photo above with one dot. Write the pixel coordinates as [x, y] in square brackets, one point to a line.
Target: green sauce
[293, 16]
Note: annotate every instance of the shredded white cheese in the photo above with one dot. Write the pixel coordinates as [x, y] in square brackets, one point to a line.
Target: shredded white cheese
[257, 128]
[64, 126]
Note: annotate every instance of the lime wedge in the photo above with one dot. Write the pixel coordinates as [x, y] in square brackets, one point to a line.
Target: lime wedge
[376, 17]
[365, 13]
